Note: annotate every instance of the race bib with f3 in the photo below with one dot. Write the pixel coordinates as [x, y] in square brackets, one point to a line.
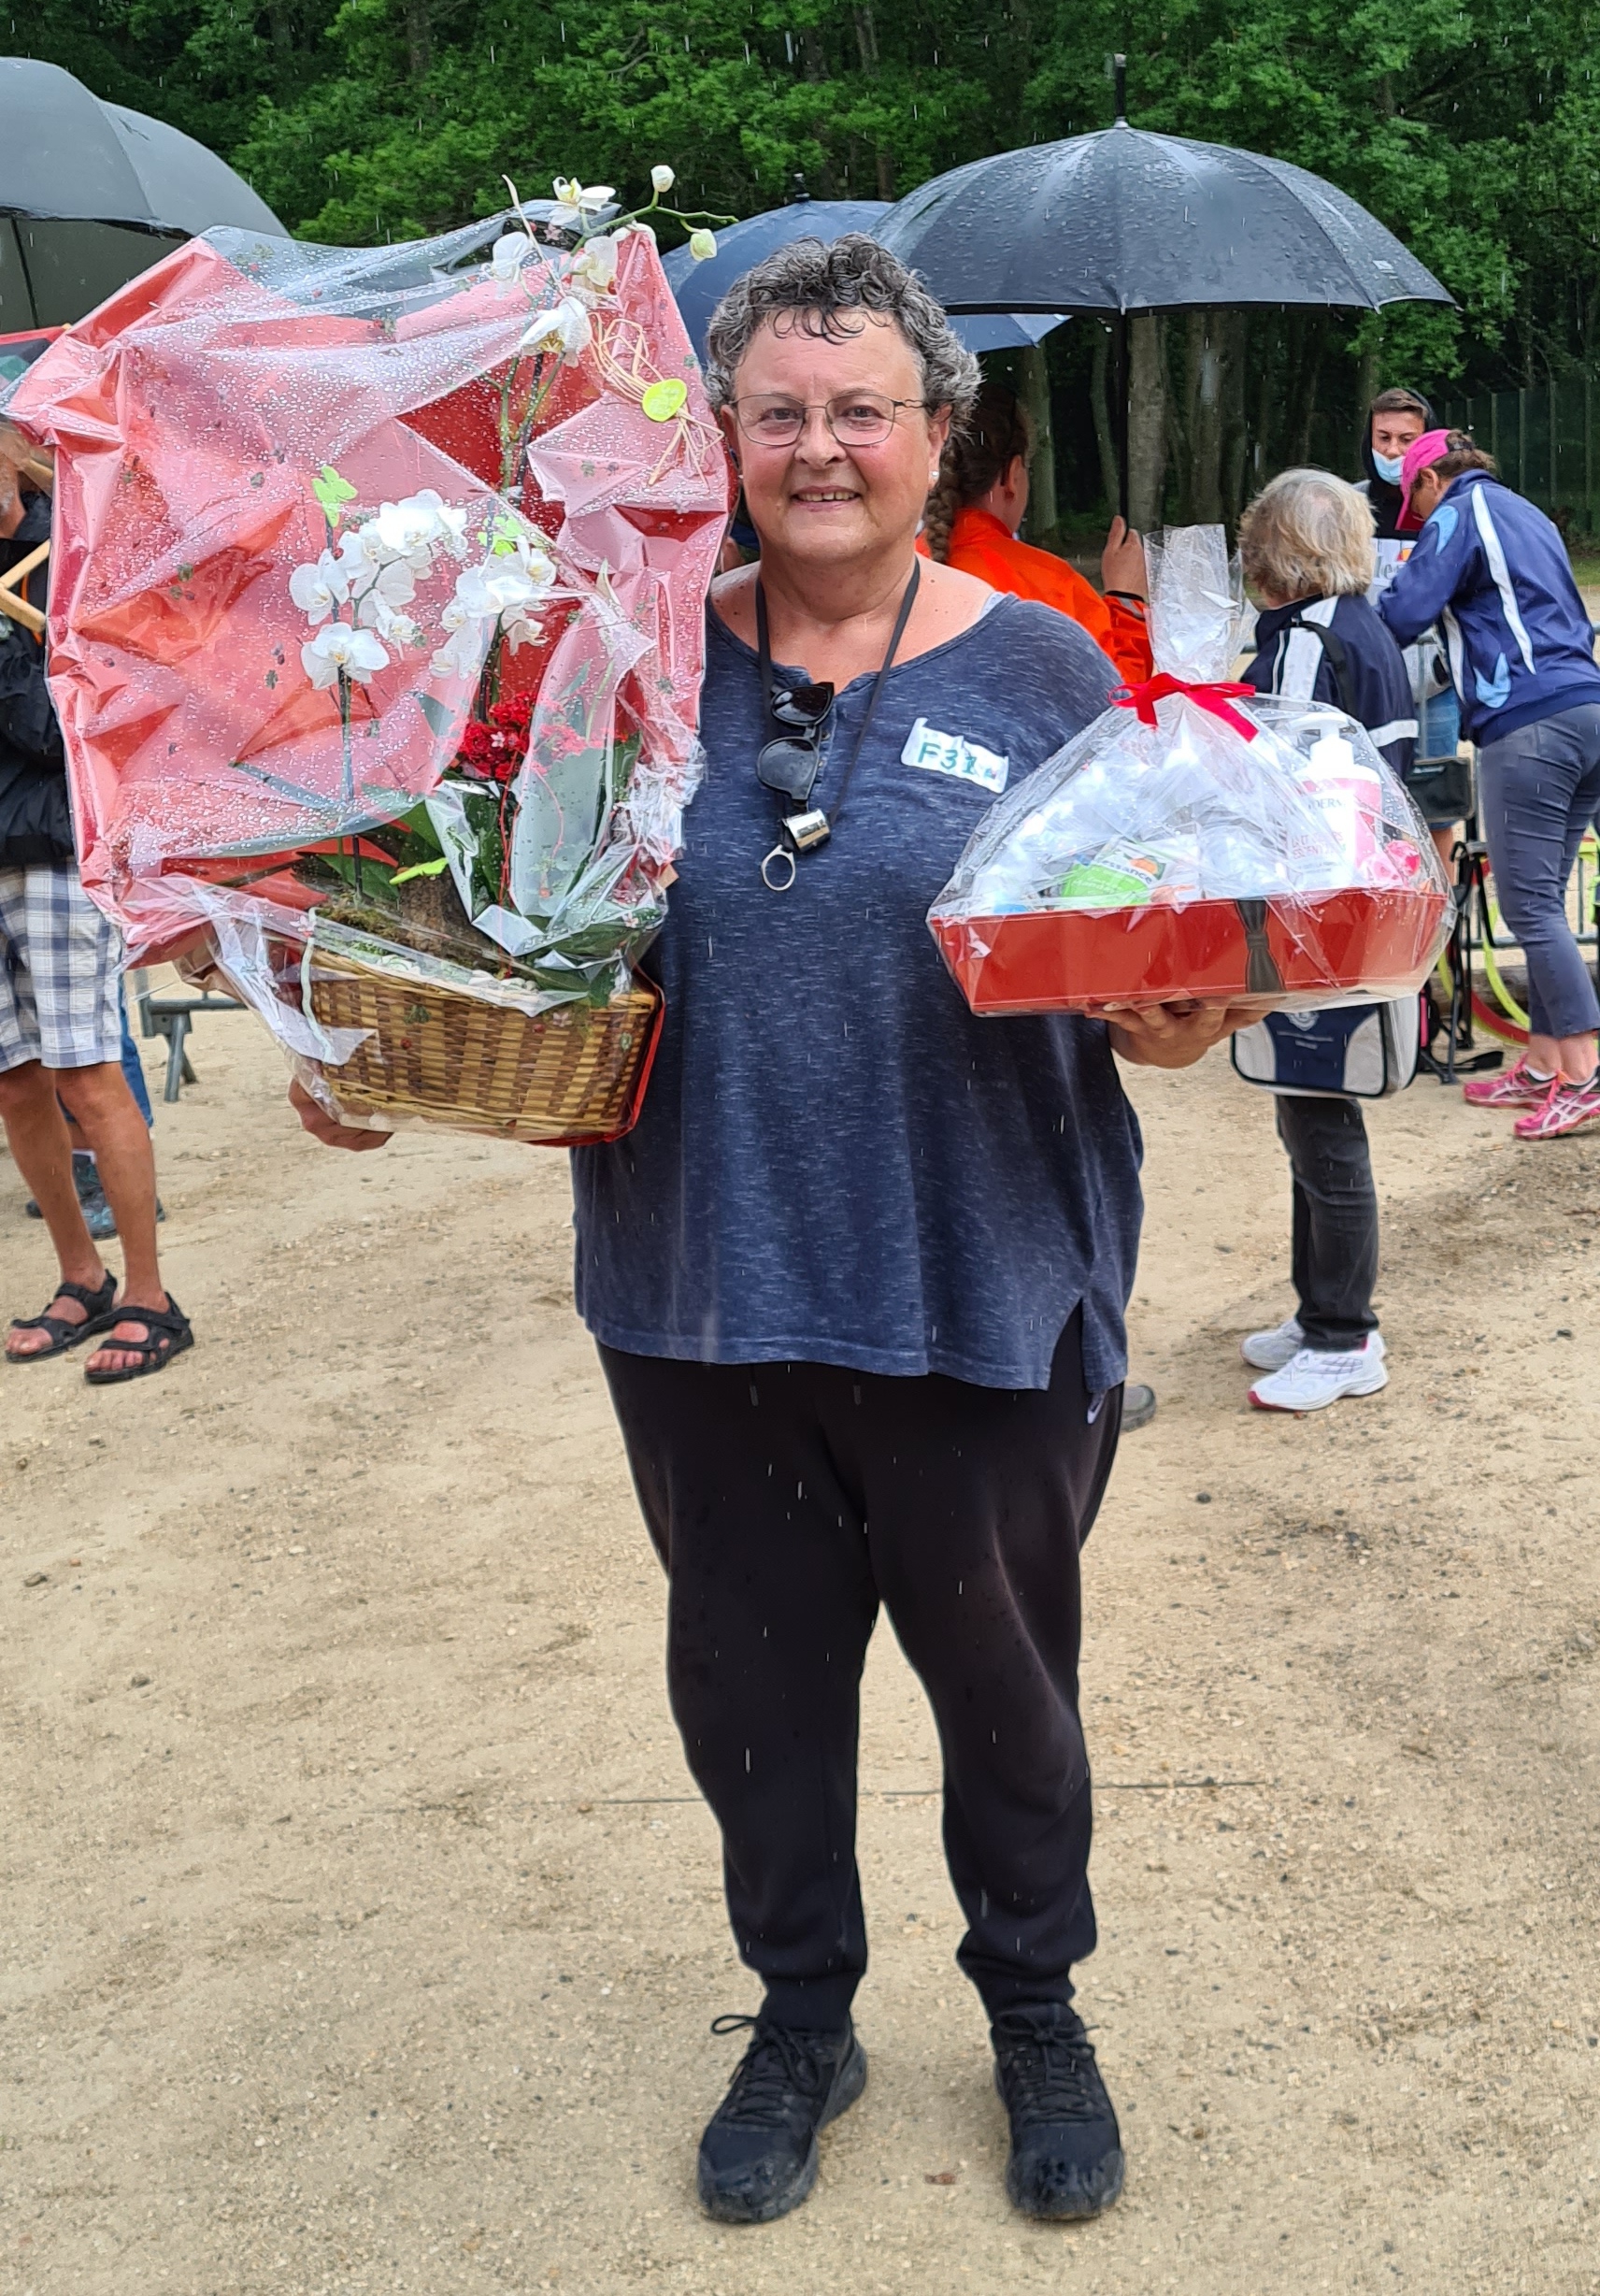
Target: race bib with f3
[953, 753]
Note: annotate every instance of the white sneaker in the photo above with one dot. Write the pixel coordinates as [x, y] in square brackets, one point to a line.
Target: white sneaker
[1311, 1382]
[1269, 1351]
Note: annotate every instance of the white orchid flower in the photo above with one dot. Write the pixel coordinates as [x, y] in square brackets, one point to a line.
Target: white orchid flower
[537, 563]
[702, 245]
[509, 255]
[361, 554]
[462, 653]
[408, 529]
[576, 201]
[453, 521]
[337, 648]
[564, 329]
[393, 587]
[592, 271]
[318, 589]
[395, 584]
[662, 181]
[501, 587]
[522, 632]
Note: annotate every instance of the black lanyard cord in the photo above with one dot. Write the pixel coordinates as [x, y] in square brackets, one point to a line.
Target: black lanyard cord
[764, 651]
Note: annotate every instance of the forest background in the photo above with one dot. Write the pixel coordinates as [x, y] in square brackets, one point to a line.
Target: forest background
[1471, 127]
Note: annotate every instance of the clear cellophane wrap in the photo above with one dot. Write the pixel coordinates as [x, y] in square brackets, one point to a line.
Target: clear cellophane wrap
[1197, 841]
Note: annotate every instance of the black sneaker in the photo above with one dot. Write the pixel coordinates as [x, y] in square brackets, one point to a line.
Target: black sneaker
[1066, 2149]
[758, 2157]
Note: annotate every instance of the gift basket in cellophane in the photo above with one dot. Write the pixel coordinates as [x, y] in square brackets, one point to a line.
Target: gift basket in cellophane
[376, 639]
[1197, 841]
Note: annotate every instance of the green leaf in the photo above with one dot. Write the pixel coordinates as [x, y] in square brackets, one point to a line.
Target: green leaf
[421, 869]
[333, 493]
[441, 722]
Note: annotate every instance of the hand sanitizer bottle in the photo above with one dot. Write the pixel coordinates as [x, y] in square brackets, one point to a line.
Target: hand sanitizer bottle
[1348, 797]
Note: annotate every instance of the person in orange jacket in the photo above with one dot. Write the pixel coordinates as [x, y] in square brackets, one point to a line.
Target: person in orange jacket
[971, 521]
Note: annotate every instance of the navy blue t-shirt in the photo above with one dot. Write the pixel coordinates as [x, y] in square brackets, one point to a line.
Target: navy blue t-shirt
[836, 1162]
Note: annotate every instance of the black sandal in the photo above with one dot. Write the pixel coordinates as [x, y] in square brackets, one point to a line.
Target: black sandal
[62, 1334]
[168, 1333]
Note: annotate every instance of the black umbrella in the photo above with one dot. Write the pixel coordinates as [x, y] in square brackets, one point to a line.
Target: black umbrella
[699, 287]
[92, 194]
[1122, 220]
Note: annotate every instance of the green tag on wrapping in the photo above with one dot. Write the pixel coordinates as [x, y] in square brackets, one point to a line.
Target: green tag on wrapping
[663, 400]
[1093, 885]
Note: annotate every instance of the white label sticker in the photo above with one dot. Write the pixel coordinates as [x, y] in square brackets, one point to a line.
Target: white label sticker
[968, 760]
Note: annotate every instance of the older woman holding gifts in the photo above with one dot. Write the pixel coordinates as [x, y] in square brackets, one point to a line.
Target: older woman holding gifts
[858, 1276]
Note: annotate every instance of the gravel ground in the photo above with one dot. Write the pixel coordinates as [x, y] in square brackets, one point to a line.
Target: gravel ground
[363, 1928]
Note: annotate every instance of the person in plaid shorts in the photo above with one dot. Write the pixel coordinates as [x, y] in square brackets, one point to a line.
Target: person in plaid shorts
[60, 1024]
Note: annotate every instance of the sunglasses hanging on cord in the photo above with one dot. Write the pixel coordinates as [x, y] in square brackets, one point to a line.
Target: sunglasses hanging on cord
[790, 765]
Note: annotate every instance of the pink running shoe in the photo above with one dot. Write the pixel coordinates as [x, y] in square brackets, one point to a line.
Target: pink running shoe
[1566, 1107]
[1514, 1088]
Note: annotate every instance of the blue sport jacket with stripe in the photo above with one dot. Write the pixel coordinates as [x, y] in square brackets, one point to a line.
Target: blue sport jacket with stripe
[1494, 572]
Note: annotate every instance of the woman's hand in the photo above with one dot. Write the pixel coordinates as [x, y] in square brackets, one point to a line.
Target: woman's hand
[1122, 561]
[1176, 1036]
[327, 1128]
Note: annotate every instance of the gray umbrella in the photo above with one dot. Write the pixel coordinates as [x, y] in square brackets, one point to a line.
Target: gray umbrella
[1122, 220]
[1126, 221]
[90, 194]
[699, 287]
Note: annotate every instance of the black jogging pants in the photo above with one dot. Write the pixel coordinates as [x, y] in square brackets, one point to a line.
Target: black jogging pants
[787, 1501]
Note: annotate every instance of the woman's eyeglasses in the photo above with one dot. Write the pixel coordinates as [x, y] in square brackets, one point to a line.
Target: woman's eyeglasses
[789, 766]
[855, 418]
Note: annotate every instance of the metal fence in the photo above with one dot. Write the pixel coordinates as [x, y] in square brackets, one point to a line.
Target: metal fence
[1545, 443]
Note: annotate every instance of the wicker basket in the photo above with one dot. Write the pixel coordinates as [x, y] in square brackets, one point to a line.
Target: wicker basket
[559, 1078]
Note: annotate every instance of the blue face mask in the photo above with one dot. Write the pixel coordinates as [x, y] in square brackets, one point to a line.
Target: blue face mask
[1388, 467]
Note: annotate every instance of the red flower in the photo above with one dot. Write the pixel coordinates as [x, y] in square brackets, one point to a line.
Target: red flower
[513, 716]
[493, 752]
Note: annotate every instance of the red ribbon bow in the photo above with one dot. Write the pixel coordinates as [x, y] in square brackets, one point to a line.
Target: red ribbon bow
[1216, 697]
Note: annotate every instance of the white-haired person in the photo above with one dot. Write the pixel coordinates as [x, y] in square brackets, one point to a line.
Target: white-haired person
[1307, 544]
[859, 1274]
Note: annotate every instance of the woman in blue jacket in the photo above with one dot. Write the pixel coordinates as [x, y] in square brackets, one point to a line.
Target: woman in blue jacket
[1495, 571]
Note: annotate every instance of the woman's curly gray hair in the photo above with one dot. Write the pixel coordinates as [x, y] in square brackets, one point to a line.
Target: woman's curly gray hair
[820, 285]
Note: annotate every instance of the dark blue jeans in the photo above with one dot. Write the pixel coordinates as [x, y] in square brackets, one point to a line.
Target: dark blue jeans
[1538, 791]
[1336, 1219]
[133, 1067]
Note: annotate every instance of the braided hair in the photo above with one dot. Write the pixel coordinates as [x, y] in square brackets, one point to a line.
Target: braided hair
[977, 454]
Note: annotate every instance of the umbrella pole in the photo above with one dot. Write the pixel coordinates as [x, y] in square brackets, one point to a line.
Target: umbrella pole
[1121, 383]
[16, 224]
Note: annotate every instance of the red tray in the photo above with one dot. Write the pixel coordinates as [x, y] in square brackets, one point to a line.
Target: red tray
[1076, 961]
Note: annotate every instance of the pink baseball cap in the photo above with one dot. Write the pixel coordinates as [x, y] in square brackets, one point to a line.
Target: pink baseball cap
[1432, 447]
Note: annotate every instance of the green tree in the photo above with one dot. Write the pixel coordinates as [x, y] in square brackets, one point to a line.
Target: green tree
[1472, 127]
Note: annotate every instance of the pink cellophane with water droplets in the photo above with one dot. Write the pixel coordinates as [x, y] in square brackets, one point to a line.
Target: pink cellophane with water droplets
[194, 418]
